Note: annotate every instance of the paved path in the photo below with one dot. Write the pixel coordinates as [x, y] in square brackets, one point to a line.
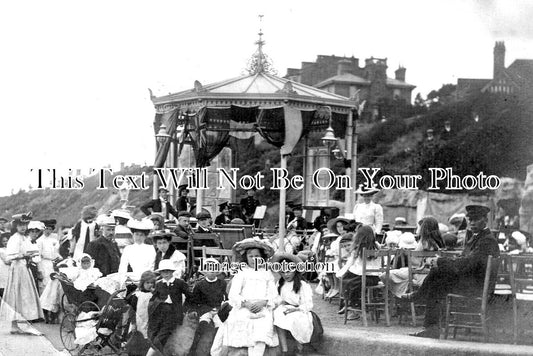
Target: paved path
[22, 345]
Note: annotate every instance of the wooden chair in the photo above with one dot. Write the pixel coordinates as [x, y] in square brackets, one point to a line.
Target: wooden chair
[413, 264]
[222, 254]
[249, 230]
[469, 308]
[503, 277]
[228, 237]
[369, 300]
[521, 285]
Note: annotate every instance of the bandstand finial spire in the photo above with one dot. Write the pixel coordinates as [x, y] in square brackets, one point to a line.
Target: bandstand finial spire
[260, 63]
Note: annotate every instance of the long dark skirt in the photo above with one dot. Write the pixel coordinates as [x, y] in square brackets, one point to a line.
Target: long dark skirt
[351, 287]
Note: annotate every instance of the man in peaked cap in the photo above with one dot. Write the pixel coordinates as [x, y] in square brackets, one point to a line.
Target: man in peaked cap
[160, 205]
[464, 275]
[249, 204]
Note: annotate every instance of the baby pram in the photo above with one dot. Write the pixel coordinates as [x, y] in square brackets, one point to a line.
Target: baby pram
[102, 316]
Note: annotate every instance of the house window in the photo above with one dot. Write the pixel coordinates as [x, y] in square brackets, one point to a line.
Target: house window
[396, 93]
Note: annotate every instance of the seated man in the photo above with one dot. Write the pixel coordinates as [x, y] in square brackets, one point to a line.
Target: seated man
[464, 275]
[298, 223]
[160, 205]
[204, 222]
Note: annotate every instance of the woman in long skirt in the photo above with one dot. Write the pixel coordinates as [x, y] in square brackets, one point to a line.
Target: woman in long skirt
[21, 300]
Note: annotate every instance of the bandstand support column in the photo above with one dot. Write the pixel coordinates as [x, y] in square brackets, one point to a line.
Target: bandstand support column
[282, 200]
[348, 194]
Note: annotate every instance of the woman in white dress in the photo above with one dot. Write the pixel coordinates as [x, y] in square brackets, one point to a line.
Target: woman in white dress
[139, 256]
[48, 245]
[21, 300]
[252, 295]
[295, 302]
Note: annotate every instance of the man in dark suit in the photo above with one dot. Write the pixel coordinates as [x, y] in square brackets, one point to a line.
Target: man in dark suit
[104, 250]
[464, 275]
[165, 310]
[248, 205]
[161, 205]
[85, 231]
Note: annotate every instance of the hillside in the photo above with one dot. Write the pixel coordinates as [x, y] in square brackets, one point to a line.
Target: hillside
[498, 143]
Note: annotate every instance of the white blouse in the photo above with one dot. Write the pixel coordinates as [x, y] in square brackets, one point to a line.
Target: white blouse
[249, 284]
[302, 300]
[140, 257]
[369, 214]
[48, 247]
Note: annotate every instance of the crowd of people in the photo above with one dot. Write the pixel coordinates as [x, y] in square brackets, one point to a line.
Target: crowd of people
[259, 308]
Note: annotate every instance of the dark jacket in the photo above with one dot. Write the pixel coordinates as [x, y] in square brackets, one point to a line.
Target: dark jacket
[76, 230]
[175, 290]
[155, 205]
[207, 296]
[471, 265]
[106, 255]
[181, 204]
[222, 219]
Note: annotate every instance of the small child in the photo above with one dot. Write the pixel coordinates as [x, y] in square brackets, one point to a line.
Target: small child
[206, 299]
[87, 274]
[165, 310]
[139, 301]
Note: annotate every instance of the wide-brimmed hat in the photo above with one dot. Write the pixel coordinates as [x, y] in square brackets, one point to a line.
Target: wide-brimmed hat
[162, 234]
[392, 237]
[253, 242]
[182, 188]
[407, 241]
[22, 218]
[363, 190]
[121, 213]
[304, 255]
[166, 265]
[105, 220]
[332, 223]
[142, 225]
[457, 218]
[286, 256]
[519, 237]
[330, 235]
[50, 223]
[36, 225]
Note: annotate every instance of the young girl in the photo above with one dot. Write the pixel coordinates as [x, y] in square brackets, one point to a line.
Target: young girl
[352, 279]
[252, 295]
[21, 300]
[4, 263]
[295, 302]
[139, 302]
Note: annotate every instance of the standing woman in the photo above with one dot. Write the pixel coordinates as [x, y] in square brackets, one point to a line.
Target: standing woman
[21, 300]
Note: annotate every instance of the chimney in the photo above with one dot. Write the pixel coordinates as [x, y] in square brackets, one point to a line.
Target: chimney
[499, 59]
[400, 73]
[344, 66]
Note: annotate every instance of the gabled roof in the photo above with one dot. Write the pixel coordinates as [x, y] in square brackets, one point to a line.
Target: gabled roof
[346, 78]
[259, 85]
[521, 69]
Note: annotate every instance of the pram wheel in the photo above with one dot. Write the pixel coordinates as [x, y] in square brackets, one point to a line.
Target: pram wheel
[67, 332]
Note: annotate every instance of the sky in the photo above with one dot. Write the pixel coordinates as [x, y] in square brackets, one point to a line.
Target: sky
[74, 75]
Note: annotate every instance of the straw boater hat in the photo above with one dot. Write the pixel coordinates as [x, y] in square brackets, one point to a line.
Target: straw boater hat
[252, 242]
[332, 223]
[166, 265]
[120, 213]
[366, 191]
[140, 225]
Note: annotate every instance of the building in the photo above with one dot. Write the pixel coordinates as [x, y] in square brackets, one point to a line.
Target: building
[343, 76]
[515, 80]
